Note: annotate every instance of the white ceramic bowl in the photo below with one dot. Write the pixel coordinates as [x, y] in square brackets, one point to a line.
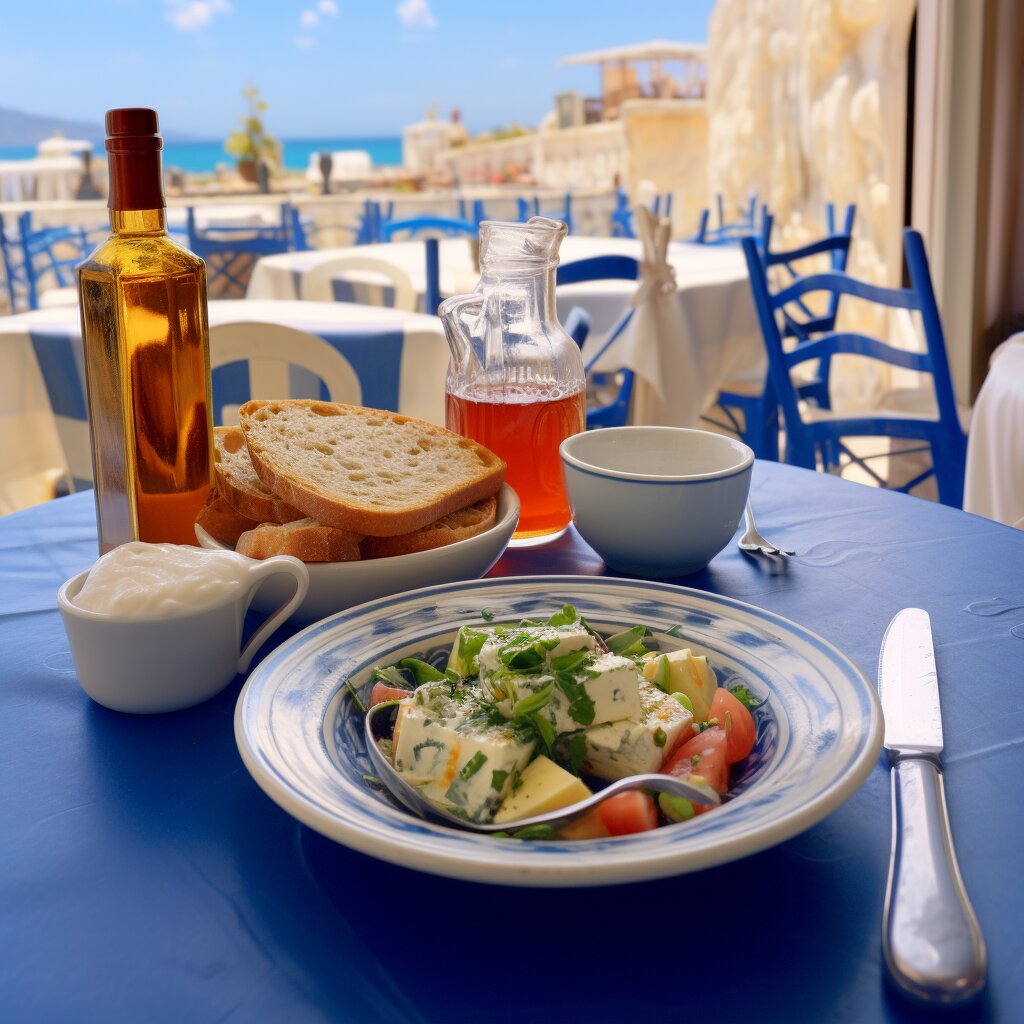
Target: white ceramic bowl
[334, 586]
[656, 501]
[170, 661]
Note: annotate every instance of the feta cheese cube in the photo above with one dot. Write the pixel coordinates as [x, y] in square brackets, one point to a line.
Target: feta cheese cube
[548, 641]
[605, 688]
[619, 749]
[463, 763]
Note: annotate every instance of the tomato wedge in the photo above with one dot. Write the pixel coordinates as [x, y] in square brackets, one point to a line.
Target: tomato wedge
[707, 756]
[737, 721]
[626, 813]
[382, 692]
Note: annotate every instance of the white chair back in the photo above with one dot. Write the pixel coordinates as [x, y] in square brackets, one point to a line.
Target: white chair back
[270, 351]
[316, 284]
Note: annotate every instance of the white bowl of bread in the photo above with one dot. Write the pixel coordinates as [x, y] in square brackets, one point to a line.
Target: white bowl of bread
[373, 502]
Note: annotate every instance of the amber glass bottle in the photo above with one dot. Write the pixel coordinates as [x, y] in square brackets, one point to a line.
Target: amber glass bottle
[147, 355]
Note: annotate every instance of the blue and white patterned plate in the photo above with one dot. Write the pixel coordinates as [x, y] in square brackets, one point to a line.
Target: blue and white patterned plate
[301, 736]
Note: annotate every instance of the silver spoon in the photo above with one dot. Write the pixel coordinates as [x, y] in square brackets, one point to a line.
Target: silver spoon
[411, 797]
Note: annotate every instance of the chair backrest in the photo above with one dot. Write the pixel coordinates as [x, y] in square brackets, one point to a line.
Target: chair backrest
[622, 216]
[598, 268]
[531, 208]
[317, 284]
[826, 343]
[428, 227]
[231, 252]
[297, 228]
[271, 351]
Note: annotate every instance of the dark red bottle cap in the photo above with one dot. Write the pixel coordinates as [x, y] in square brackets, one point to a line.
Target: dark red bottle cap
[133, 156]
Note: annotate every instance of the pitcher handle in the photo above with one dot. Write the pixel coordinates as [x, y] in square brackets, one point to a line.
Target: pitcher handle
[273, 566]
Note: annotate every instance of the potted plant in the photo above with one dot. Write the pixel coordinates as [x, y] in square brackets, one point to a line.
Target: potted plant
[251, 145]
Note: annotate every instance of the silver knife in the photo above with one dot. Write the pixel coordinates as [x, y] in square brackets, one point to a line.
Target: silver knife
[930, 937]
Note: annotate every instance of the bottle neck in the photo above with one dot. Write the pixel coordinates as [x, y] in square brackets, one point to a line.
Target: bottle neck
[530, 292]
[136, 187]
[139, 222]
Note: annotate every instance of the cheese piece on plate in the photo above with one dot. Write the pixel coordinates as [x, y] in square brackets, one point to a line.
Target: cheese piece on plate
[530, 646]
[600, 689]
[464, 763]
[465, 653]
[617, 750]
[543, 786]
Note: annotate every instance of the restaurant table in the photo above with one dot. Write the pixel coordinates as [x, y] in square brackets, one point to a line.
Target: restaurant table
[716, 338]
[994, 483]
[144, 876]
[399, 358]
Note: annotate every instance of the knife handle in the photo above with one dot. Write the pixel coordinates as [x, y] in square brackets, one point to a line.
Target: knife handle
[930, 937]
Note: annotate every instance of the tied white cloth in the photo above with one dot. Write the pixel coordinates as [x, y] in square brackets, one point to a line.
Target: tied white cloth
[667, 390]
[994, 484]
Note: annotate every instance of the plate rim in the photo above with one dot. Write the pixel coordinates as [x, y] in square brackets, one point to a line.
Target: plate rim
[657, 864]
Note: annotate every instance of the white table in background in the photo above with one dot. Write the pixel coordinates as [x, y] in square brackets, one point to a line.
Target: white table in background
[721, 340]
[994, 486]
[31, 447]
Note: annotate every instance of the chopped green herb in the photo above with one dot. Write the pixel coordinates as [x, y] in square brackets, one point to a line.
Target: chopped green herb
[536, 832]
[703, 726]
[486, 615]
[501, 835]
[570, 661]
[360, 706]
[545, 730]
[746, 698]
[581, 705]
[372, 780]
[577, 752]
[728, 721]
[473, 765]
[566, 617]
[422, 672]
[517, 780]
[675, 808]
[628, 643]
[498, 778]
[681, 698]
[528, 705]
[660, 737]
[391, 675]
[676, 631]
[695, 760]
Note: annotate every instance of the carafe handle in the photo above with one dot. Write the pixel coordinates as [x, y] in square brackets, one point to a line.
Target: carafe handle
[459, 314]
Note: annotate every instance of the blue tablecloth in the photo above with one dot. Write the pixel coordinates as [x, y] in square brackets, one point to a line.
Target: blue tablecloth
[144, 876]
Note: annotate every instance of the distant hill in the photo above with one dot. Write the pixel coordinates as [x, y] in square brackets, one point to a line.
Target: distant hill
[17, 128]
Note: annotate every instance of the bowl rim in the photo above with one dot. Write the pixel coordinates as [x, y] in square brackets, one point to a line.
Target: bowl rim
[743, 451]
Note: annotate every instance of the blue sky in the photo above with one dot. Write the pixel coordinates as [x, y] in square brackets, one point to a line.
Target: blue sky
[326, 67]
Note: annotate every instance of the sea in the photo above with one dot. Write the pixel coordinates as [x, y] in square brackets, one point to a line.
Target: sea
[203, 157]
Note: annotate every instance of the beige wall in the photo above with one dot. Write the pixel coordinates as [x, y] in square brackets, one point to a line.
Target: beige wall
[667, 142]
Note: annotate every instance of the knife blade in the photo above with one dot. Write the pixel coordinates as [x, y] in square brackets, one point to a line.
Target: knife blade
[931, 939]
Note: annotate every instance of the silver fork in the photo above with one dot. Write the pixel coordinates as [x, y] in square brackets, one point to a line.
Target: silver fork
[752, 541]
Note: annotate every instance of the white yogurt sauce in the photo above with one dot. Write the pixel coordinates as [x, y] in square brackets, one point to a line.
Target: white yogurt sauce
[150, 581]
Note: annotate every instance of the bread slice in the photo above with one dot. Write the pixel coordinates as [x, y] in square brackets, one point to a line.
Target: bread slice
[240, 486]
[372, 472]
[455, 526]
[221, 521]
[306, 539]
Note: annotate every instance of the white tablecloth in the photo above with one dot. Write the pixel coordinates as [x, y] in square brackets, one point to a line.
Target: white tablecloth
[994, 486]
[30, 443]
[721, 340]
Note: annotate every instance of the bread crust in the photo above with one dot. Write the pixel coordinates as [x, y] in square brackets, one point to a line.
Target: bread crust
[469, 471]
[455, 526]
[222, 521]
[239, 485]
[305, 539]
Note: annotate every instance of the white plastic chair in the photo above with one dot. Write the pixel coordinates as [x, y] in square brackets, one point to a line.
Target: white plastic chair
[315, 284]
[270, 350]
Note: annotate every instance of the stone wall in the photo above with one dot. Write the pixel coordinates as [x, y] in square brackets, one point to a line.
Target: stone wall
[807, 104]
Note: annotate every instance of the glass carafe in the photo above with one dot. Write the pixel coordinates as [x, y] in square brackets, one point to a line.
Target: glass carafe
[515, 377]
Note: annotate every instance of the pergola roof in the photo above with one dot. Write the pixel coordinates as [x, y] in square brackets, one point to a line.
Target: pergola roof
[658, 49]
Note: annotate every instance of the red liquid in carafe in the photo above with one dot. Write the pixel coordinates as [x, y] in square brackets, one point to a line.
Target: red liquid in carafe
[525, 428]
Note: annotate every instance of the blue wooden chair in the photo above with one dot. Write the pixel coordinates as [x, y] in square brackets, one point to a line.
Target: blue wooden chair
[622, 216]
[810, 439]
[577, 323]
[751, 408]
[729, 232]
[531, 208]
[429, 226]
[231, 253]
[31, 254]
[299, 230]
[475, 213]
